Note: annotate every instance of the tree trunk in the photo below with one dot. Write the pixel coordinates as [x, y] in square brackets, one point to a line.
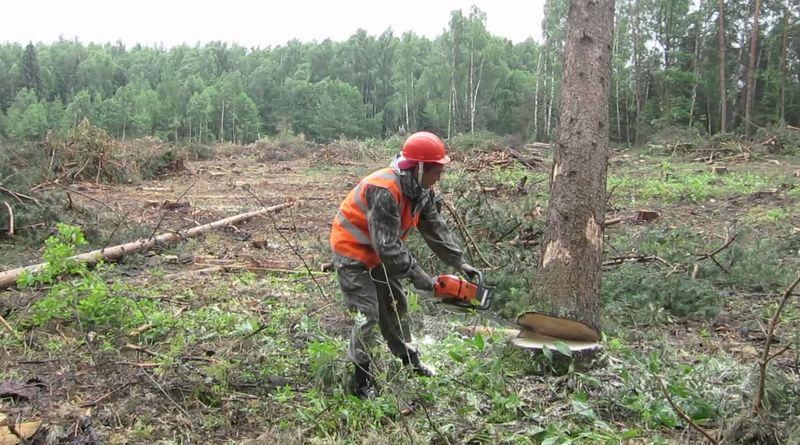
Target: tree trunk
[549, 115]
[222, 123]
[474, 101]
[784, 47]
[638, 69]
[9, 277]
[723, 90]
[567, 283]
[616, 90]
[751, 74]
[536, 96]
[696, 69]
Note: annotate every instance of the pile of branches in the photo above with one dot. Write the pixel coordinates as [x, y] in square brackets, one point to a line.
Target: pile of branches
[88, 153]
[283, 147]
[732, 147]
[335, 155]
[503, 157]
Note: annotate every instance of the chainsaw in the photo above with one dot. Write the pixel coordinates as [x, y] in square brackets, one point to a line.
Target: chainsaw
[452, 289]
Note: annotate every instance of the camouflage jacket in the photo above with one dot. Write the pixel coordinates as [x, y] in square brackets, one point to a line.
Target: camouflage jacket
[383, 218]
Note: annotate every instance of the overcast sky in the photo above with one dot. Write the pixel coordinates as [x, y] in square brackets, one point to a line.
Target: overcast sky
[250, 23]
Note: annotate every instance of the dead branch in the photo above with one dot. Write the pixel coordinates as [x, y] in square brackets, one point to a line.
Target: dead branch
[164, 214]
[10, 219]
[765, 356]
[616, 261]
[465, 233]
[91, 198]
[8, 327]
[710, 256]
[682, 414]
[9, 278]
[18, 196]
[288, 243]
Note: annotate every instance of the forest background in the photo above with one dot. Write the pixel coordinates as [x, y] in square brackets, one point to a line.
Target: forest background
[672, 68]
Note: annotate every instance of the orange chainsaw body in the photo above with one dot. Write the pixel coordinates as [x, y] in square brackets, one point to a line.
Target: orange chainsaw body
[461, 292]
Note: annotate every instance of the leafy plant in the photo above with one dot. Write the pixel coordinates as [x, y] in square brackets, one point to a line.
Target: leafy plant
[87, 299]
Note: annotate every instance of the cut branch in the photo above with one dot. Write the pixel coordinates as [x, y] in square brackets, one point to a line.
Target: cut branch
[682, 414]
[9, 278]
[765, 356]
[616, 261]
[18, 196]
[10, 219]
[465, 233]
[710, 256]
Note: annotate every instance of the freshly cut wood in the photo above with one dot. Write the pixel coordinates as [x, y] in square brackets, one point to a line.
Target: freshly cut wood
[535, 340]
[557, 327]
[9, 278]
[524, 338]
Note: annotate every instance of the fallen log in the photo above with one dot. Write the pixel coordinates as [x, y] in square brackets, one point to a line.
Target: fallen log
[9, 278]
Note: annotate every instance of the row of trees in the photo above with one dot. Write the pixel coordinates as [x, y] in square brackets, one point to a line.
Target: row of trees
[712, 65]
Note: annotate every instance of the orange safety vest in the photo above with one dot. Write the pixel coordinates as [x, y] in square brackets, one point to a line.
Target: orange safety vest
[350, 232]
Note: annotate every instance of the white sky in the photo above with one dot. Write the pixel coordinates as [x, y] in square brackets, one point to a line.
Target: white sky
[250, 23]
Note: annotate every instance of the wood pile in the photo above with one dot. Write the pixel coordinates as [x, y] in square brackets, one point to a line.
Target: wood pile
[330, 155]
[532, 158]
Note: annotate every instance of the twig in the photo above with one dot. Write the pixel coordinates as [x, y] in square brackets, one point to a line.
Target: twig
[105, 396]
[710, 256]
[8, 327]
[465, 232]
[91, 198]
[433, 425]
[765, 356]
[164, 214]
[683, 414]
[635, 259]
[501, 237]
[246, 187]
[182, 409]
[18, 196]
[10, 219]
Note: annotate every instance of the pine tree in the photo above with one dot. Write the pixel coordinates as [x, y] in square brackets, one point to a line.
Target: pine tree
[30, 70]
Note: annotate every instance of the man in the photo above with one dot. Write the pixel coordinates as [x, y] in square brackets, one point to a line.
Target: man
[371, 258]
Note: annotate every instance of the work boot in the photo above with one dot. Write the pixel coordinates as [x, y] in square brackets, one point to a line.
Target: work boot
[363, 386]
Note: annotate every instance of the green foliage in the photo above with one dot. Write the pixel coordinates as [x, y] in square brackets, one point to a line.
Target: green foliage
[87, 299]
[685, 186]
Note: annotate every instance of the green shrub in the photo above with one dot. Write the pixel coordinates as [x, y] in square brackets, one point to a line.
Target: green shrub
[87, 299]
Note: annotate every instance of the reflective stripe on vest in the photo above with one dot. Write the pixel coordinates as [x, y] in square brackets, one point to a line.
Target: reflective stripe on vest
[350, 231]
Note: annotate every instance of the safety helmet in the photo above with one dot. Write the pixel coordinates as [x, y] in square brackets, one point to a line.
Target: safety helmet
[424, 146]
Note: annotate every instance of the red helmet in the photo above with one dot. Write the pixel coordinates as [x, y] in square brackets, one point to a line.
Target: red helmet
[423, 146]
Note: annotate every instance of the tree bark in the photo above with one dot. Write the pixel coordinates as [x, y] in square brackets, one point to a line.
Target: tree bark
[784, 48]
[723, 90]
[536, 96]
[567, 283]
[638, 68]
[751, 74]
[9, 278]
[696, 69]
[222, 123]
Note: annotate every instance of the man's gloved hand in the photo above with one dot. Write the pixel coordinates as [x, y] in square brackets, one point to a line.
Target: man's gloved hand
[421, 280]
[469, 271]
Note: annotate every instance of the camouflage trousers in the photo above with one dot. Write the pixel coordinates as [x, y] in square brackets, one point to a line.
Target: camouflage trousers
[376, 298]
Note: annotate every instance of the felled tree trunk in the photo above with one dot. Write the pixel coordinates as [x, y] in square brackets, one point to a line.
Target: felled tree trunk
[567, 284]
[9, 278]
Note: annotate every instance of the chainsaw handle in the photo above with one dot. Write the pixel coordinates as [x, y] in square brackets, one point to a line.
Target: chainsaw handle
[480, 277]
